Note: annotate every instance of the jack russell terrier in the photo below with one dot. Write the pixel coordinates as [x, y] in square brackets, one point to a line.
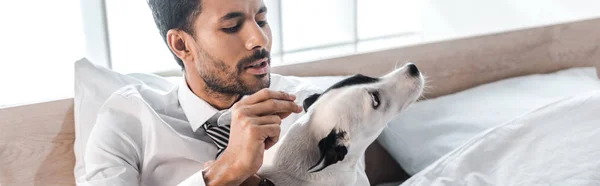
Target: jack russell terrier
[324, 146]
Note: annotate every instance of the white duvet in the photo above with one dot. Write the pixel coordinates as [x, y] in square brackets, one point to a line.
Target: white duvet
[558, 144]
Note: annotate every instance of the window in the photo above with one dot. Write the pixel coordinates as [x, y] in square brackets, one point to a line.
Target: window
[315, 23]
[135, 43]
[41, 40]
[388, 18]
[303, 30]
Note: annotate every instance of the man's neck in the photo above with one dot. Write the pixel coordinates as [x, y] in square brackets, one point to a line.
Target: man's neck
[216, 99]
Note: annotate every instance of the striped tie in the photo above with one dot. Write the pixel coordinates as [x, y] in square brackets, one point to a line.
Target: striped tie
[218, 132]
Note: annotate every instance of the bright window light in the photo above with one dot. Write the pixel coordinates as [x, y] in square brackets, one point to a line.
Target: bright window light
[314, 23]
[135, 43]
[41, 40]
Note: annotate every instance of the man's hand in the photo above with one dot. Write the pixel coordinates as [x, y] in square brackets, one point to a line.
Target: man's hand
[253, 180]
[255, 127]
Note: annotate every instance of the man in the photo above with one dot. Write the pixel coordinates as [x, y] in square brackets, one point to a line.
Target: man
[146, 137]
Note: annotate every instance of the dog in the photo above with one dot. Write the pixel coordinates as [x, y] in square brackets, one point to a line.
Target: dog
[324, 146]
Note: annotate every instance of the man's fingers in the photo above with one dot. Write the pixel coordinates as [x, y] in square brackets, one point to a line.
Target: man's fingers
[270, 142]
[272, 132]
[284, 115]
[273, 106]
[266, 120]
[266, 94]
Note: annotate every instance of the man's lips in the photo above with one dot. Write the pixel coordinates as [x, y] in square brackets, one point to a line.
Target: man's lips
[258, 67]
[256, 63]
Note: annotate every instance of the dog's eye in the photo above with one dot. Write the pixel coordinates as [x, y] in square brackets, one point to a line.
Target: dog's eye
[375, 98]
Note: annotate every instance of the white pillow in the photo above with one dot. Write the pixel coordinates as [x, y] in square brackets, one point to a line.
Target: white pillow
[93, 85]
[431, 128]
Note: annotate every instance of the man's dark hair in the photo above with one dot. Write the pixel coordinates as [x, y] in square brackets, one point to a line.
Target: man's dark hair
[175, 14]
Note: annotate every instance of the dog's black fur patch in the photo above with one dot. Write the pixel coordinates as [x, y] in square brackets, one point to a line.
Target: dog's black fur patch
[310, 100]
[354, 80]
[332, 150]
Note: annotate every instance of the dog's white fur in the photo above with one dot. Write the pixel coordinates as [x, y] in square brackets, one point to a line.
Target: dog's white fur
[347, 109]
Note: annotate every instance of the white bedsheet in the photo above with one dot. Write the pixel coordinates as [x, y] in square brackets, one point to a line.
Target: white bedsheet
[558, 144]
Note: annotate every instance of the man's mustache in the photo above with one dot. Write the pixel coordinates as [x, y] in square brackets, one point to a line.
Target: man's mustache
[259, 54]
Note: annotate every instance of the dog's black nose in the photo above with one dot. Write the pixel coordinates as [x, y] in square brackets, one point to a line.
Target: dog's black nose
[413, 70]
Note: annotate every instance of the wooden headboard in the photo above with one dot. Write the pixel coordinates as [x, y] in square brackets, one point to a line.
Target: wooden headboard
[456, 65]
[36, 144]
[36, 141]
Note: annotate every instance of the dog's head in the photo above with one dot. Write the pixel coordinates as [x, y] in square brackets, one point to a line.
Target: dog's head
[349, 115]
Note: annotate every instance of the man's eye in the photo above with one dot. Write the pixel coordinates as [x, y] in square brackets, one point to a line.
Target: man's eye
[261, 23]
[231, 30]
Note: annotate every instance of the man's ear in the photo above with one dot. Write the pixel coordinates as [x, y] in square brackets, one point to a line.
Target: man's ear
[176, 40]
[332, 150]
[309, 101]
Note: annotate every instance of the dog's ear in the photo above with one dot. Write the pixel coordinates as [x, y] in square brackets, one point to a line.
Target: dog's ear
[332, 150]
[309, 101]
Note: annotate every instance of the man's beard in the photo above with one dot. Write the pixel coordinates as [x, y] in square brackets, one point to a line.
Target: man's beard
[225, 80]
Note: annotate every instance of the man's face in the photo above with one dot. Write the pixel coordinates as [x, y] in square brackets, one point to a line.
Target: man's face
[232, 41]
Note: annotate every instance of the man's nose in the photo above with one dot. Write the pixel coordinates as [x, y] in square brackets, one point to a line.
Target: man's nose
[256, 38]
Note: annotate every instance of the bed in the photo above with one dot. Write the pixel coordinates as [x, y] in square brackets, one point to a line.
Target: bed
[36, 141]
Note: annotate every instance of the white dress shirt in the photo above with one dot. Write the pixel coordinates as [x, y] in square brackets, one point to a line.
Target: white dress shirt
[143, 136]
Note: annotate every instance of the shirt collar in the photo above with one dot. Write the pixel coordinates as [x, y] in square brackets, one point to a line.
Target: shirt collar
[195, 109]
